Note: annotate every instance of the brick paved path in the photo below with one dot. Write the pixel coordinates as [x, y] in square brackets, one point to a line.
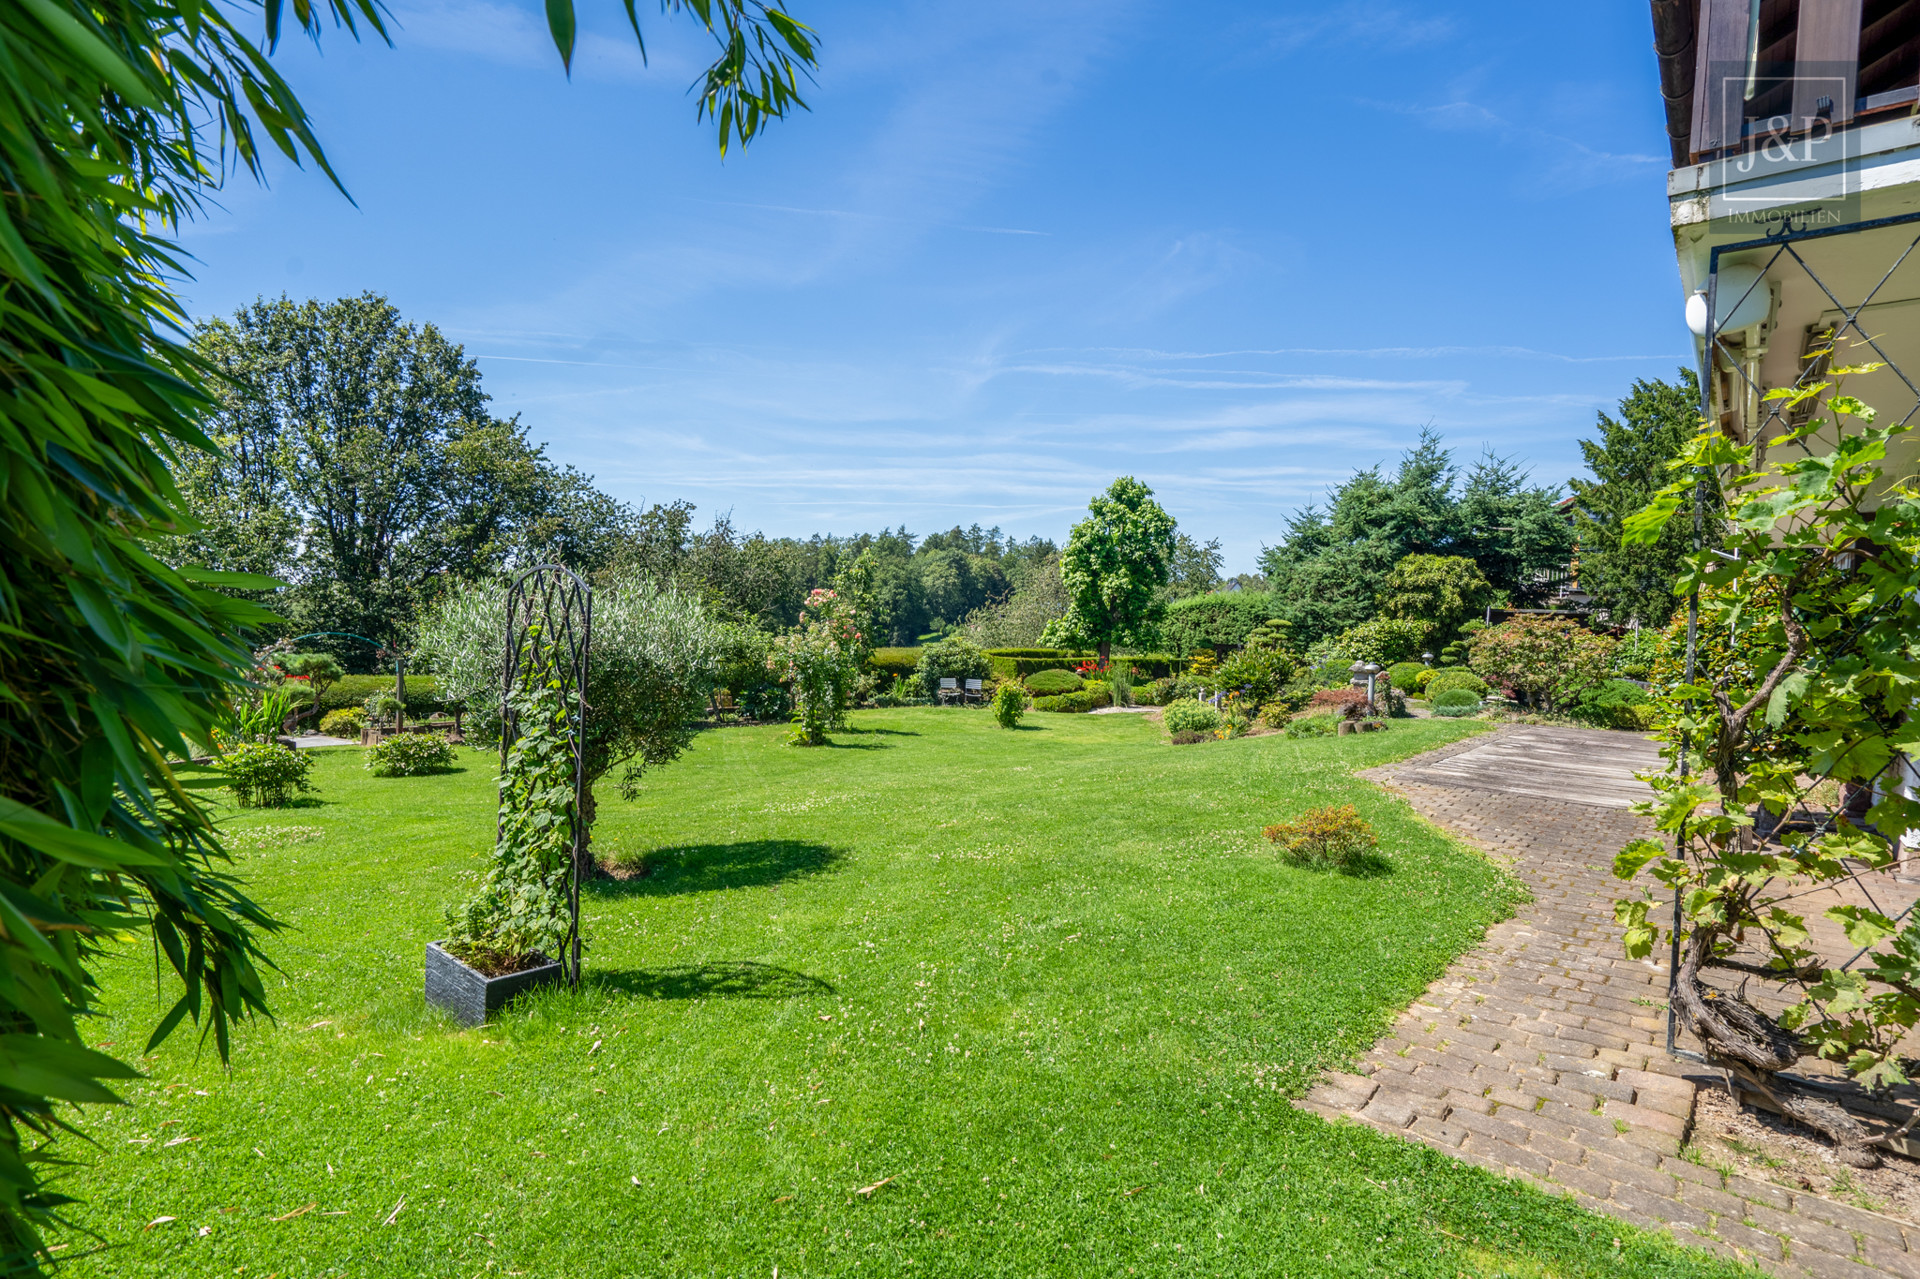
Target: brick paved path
[1540, 1054]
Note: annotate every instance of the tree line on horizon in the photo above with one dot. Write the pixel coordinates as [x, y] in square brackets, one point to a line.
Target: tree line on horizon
[361, 467]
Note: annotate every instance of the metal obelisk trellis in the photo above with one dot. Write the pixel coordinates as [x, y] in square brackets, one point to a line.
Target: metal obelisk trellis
[557, 601]
[1716, 354]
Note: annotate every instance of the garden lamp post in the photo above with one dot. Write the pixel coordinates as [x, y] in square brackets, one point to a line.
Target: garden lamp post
[1364, 673]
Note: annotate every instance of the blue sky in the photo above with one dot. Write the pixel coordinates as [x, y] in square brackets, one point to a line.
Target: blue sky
[1013, 251]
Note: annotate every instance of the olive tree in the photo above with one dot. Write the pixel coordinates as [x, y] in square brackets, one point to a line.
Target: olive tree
[651, 664]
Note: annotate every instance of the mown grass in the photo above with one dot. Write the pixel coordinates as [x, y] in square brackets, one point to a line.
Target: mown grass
[938, 1000]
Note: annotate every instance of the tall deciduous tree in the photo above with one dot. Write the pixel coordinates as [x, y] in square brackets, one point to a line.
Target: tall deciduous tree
[117, 117]
[1629, 464]
[360, 465]
[1114, 567]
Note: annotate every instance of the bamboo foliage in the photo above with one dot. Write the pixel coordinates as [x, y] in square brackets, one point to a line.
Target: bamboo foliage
[117, 119]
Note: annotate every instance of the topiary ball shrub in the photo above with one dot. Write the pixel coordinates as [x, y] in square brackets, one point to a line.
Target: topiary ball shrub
[410, 755]
[1053, 683]
[1192, 739]
[266, 774]
[1614, 703]
[1312, 726]
[1009, 704]
[343, 723]
[1448, 680]
[1333, 835]
[1457, 703]
[1191, 717]
[1405, 676]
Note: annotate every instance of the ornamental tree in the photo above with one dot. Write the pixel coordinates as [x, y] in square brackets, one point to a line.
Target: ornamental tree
[1440, 590]
[1114, 567]
[650, 667]
[820, 660]
[1815, 592]
[1546, 661]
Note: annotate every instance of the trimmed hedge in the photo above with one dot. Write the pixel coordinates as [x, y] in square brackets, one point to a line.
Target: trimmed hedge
[1066, 703]
[894, 661]
[423, 692]
[1052, 683]
[1018, 663]
[1405, 676]
[1219, 620]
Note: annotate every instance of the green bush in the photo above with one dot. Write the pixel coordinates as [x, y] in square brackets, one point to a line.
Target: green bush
[1423, 679]
[1009, 704]
[1460, 705]
[266, 774]
[1066, 703]
[953, 657]
[1613, 703]
[423, 693]
[343, 723]
[1385, 640]
[1022, 662]
[1452, 679]
[1312, 726]
[1334, 835]
[893, 661]
[1455, 697]
[410, 755]
[1188, 716]
[1053, 683]
[1405, 676]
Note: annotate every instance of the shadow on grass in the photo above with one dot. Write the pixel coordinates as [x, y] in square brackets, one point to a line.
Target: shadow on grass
[877, 732]
[728, 979]
[704, 868]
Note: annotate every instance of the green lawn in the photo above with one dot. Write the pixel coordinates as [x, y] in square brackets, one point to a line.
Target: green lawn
[1048, 990]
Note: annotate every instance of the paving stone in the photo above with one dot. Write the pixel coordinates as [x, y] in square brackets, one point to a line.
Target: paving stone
[1853, 1220]
[1747, 1239]
[1802, 1229]
[1890, 1257]
[1544, 1019]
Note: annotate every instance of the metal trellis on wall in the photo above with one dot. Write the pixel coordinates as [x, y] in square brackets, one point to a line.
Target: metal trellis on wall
[1733, 397]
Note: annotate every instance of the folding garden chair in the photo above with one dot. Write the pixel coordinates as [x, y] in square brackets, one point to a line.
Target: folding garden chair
[976, 691]
[949, 689]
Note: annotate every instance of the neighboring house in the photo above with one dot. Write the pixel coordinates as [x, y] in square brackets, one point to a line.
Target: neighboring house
[1796, 152]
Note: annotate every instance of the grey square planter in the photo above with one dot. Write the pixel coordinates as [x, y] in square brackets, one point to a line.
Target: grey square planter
[472, 996]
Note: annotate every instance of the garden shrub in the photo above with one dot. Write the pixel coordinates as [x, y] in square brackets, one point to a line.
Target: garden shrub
[1405, 676]
[1424, 678]
[266, 774]
[1275, 714]
[817, 660]
[1098, 693]
[1614, 703]
[888, 662]
[1337, 700]
[1637, 651]
[423, 693]
[1009, 704]
[1256, 674]
[1460, 710]
[1312, 726]
[1188, 716]
[953, 657]
[1067, 703]
[343, 723]
[1449, 680]
[410, 755]
[1384, 640]
[1222, 619]
[1455, 697]
[1333, 835]
[1546, 661]
[1192, 739]
[1053, 683]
